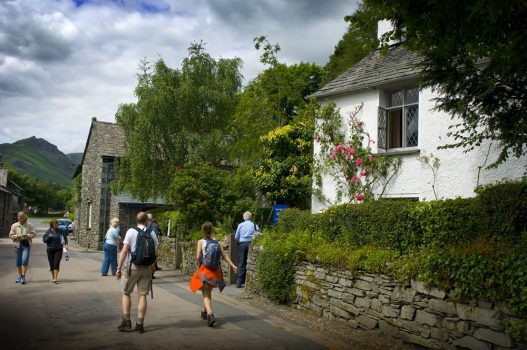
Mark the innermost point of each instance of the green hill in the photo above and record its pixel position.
(76, 158)
(39, 159)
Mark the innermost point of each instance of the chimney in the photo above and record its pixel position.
(3, 176)
(383, 27)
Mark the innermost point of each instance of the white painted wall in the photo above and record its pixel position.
(457, 175)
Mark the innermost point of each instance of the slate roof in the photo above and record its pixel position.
(374, 70)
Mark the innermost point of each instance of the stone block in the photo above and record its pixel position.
(348, 298)
(357, 292)
(362, 302)
(446, 307)
(472, 343)
(454, 324)
(493, 337)
(407, 312)
(344, 282)
(425, 318)
(485, 304)
(339, 312)
(376, 304)
(362, 285)
(388, 329)
(334, 294)
(385, 299)
(421, 288)
(331, 279)
(389, 311)
(481, 316)
(366, 322)
(345, 306)
(365, 278)
(353, 324)
(403, 294)
(410, 326)
(320, 274)
(427, 343)
(439, 334)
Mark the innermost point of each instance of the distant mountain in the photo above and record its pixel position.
(39, 159)
(76, 158)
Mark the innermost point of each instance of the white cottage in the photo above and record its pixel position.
(401, 120)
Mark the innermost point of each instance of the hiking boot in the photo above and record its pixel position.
(210, 320)
(139, 328)
(125, 325)
(203, 315)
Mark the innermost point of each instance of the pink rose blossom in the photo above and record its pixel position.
(358, 162)
(354, 179)
(317, 138)
(364, 173)
(359, 197)
(348, 156)
(371, 158)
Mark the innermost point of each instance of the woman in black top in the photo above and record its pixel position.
(56, 240)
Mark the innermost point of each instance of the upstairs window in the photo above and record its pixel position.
(399, 119)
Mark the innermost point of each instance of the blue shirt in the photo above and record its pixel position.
(246, 230)
(112, 235)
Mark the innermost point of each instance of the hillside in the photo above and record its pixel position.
(76, 158)
(39, 159)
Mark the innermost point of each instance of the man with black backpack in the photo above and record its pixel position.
(137, 259)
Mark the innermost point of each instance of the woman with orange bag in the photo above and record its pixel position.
(209, 274)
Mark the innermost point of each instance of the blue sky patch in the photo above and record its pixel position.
(143, 6)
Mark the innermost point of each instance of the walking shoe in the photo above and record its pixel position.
(139, 328)
(203, 315)
(23, 280)
(18, 279)
(125, 325)
(211, 320)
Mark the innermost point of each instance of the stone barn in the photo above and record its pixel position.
(98, 204)
(11, 202)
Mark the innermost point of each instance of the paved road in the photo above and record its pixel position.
(82, 312)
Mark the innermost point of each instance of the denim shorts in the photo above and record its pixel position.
(22, 255)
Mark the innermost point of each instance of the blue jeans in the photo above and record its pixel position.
(242, 262)
(22, 256)
(110, 258)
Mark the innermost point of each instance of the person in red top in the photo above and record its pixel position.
(205, 278)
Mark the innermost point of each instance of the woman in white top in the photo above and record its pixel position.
(110, 248)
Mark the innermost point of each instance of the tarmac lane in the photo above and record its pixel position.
(83, 311)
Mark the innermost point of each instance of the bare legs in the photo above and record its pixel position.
(206, 291)
(141, 306)
(54, 275)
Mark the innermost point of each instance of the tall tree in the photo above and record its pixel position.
(271, 100)
(475, 55)
(355, 44)
(179, 117)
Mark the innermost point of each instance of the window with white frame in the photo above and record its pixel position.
(89, 214)
(399, 119)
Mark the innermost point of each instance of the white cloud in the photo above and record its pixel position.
(63, 62)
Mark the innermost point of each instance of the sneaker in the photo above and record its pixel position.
(139, 328)
(23, 280)
(125, 325)
(211, 320)
(18, 279)
(203, 315)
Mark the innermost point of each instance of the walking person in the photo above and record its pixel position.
(110, 248)
(22, 233)
(244, 236)
(209, 275)
(154, 227)
(137, 261)
(56, 241)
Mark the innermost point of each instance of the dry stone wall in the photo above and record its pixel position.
(427, 317)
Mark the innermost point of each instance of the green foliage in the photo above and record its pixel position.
(285, 172)
(479, 68)
(185, 111)
(355, 44)
(349, 161)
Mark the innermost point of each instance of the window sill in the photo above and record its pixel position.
(399, 151)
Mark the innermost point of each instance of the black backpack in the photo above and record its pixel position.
(145, 249)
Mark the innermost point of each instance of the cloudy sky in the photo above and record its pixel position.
(63, 62)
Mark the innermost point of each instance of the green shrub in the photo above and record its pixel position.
(275, 269)
(503, 209)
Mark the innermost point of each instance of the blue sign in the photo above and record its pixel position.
(277, 208)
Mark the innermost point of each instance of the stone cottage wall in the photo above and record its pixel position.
(105, 139)
(411, 312)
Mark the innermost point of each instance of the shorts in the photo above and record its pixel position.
(140, 275)
(22, 255)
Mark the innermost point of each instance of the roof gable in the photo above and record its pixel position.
(374, 70)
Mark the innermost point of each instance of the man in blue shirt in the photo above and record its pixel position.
(244, 236)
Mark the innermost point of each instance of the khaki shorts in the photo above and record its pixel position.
(140, 275)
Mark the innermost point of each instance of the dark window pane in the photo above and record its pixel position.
(412, 96)
(395, 128)
(381, 134)
(395, 98)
